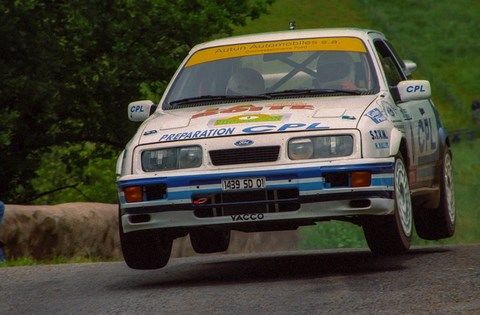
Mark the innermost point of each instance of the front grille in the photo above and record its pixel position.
(244, 155)
(246, 202)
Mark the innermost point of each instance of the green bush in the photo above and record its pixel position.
(76, 172)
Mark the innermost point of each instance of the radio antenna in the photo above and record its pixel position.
(291, 25)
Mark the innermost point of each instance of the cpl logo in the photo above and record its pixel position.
(415, 88)
(243, 143)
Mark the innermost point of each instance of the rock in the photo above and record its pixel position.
(68, 230)
(91, 230)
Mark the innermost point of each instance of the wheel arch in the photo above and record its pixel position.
(398, 144)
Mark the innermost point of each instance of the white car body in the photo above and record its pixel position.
(382, 125)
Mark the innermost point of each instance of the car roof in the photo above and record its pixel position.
(285, 35)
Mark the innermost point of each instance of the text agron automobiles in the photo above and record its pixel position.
(280, 130)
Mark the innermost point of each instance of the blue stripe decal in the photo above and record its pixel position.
(311, 186)
(382, 182)
(187, 194)
(281, 186)
(307, 172)
(302, 187)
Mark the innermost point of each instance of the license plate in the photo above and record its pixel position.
(243, 183)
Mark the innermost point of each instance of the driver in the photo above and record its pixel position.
(245, 81)
(336, 70)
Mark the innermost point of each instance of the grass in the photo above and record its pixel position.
(442, 38)
(28, 261)
(467, 186)
(307, 14)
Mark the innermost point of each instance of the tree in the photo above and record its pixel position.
(68, 69)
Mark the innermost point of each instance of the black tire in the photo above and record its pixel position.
(148, 249)
(435, 224)
(206, 241)
(388, 235)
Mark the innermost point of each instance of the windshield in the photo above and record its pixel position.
(319, 66)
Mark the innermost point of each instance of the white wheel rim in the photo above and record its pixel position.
(402, 197)
(449, 192)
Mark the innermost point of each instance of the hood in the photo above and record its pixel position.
(339, 112)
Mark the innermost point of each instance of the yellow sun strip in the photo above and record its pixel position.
(295, 45)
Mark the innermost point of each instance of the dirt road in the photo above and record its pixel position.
(426, 280)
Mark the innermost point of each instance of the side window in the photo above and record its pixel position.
(390, 66)
(395, 54)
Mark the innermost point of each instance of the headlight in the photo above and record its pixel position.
(300, 149)
(171, 158)
(320, 147)
(189, 157)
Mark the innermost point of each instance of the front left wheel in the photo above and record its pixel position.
(438, 223)
(389, 235)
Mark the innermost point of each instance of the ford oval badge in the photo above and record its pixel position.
(243, 143)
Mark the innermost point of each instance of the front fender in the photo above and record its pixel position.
(119, 165)
(395, 141)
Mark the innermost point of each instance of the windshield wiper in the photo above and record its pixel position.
(315, 92)
(207, 98)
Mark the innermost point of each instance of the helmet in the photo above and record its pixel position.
(333, 68)
(245, 81)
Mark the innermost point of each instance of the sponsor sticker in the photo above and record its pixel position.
(405, 114)
(425, 136)
(378, 134)
(381, 145)
(247, 217)
(150, 132)
(293, 45)
(216, 132)
(376, 115)
(284, 127)
(390, 111)
(415, 88)
(137, 109)
(251, 108)
(219, 132)
(242, 119)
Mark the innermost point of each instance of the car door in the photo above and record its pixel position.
(418, 118)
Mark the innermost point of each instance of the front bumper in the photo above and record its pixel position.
(307, 196)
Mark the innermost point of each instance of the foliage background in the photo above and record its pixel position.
(68, 70)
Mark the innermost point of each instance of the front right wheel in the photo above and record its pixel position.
(148, 249)
(207, 241)
(389, 235)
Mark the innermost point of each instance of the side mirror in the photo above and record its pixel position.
(412, 90)
(140, 110)
(410, 67)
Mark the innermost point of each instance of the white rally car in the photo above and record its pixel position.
(275, 131)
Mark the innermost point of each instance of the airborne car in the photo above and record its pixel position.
(275, 131)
